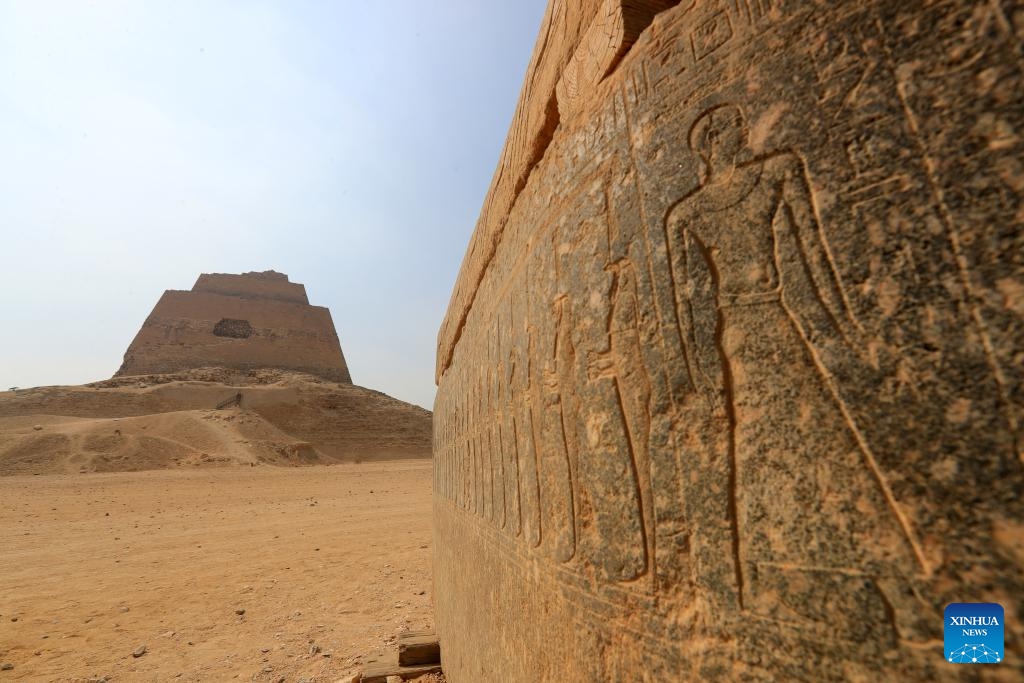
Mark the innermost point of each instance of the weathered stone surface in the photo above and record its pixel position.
(382, 668)
(253, 320)
(266, 285)
(418, 647)
(730, 386)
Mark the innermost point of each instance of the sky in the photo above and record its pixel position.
(347, 144)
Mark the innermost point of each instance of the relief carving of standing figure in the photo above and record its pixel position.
(758, 299)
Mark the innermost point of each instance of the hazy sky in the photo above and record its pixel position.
(348, 144)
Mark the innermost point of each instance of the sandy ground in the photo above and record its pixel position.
(173, 421)
(328, 563)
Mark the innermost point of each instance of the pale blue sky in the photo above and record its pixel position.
(348, 144)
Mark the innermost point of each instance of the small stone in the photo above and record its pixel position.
(239, 612)
(393, 679)
(37, 428)
(37, 653)
(125, 608)
(169, 634)
(314, 649)
(14, 618)
(264, 650)
(6, 666)
(139, 651)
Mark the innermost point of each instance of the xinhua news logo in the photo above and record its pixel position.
(974, 633)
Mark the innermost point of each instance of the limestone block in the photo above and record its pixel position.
(730, 384)
(418, 647)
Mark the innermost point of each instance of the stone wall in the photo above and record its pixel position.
(238, 321)
(730, 385)
(265, 285)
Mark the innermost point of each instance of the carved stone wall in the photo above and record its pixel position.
(255, 320)
(730, 386)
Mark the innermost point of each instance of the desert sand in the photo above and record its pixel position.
(328, 563)
(173, 421)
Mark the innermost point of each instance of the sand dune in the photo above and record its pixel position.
(168, 421)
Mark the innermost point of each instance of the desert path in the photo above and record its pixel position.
(328, 563)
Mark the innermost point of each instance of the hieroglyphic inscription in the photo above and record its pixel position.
(614, 29)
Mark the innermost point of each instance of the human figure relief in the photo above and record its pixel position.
(523, 434)
(757, 285)
(617, 469)
(509, 449)
(557, 471)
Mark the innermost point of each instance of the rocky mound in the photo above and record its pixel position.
(204, 417)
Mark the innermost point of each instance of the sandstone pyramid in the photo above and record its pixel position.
(242, 322)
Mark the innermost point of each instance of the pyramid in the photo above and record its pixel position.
(242, 322)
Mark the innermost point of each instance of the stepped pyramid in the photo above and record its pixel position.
(242, 322)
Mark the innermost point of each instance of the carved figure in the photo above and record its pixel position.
(764, 294)
(616, 467)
